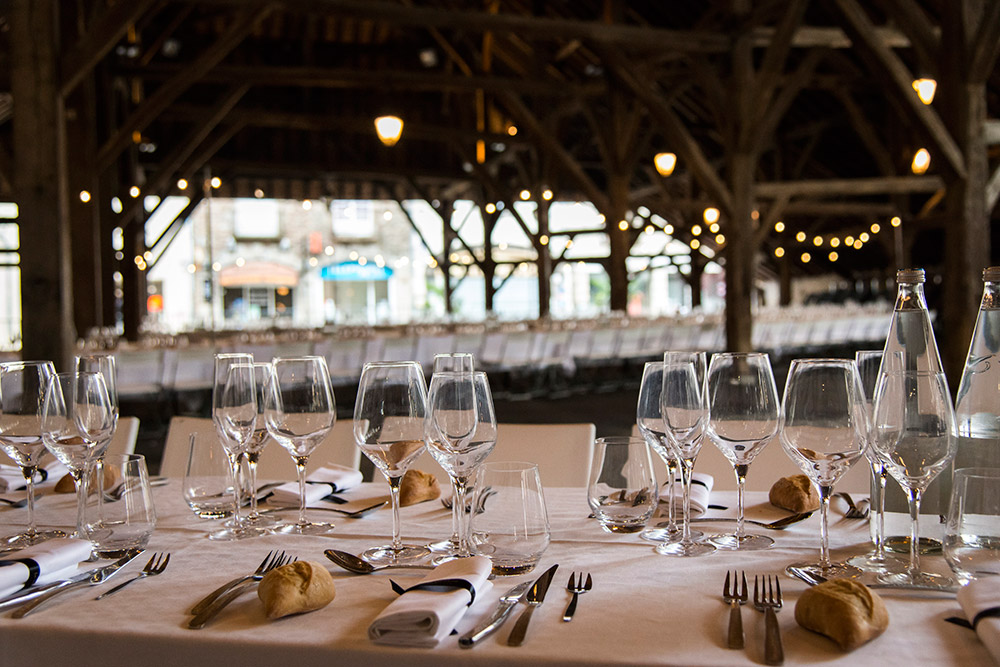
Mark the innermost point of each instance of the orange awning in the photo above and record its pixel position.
(268, 274)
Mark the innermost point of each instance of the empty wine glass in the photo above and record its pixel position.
(649, 420)
(824, 430)
(742, 419)
(22, 390)
(76, 426)
(460, 431)
(106, 366)
(300, 412)
(684, 416)
(234, 411)
(389, 428)
(914, 429)
(258, 440)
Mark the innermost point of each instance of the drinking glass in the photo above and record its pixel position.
(234, 411)
(460, 431)
(389, 419)
(106, 366)
(742, 419)
(76, 424)
(452, 362)
(258, 440)
(649, 420)
(208, 479)
(876, 561)
(972, 534)
(300, 412)
(128, 522)
(622, 492)
(512, 528)
(684, 416)
(22, 388)
(914, 427)
(824, 430)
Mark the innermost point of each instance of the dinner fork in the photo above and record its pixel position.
(768, 601)
(156, 564)
(735, 596)
(859, 511)
(271, 561)
(576, 588)
(221, 602)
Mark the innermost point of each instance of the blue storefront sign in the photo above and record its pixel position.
(355, 272)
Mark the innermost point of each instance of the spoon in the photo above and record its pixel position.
(780, 524)
(15, 503)
(352, 563)
(356, 514)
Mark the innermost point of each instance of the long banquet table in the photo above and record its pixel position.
(644, 609)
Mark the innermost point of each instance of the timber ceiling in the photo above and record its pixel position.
(280, 96)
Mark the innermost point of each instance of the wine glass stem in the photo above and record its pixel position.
(252, 465)
(300, 468)
(883, 477)
(687, 470)
(456, 534)
(741, 482)
(80, 479)
(824, 534)
(234, 463)
(99, 480)
(913, 496)
(671, 477)
(464, 518)
(394, 483)
(29, 485)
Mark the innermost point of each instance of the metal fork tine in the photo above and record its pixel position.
(725, 585)
(590, 582)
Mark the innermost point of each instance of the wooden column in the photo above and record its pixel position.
(40, 182)
(740, 255)
(618, 191)
(489, 264)
(544, 261)
(85, 224)
(448, 232)
(133, 280)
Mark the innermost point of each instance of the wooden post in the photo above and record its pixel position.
(489, 264)
(740, 255)
(445, 210)
(618, 190)
(544, 261)
(40, 183)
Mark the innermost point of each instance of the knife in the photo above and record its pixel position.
(487, 627)
(91, 578)
(534, 598)
(20, 597)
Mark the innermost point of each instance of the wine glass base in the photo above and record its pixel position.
(821, 571)
(406, 554)
(234, 533)
(260, 521)
(444, 558)
(307, 528)
(900, 544)
(745, 543)
(27, 539)
(916, 579)
(870, 562)
(667, 536)
(449, 546)
(685, 549)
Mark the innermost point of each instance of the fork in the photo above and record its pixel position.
(768, 601)
(735, 598)
(221, 602)
(156, 564)
(271, 561)
(576, 588)
(859, 511)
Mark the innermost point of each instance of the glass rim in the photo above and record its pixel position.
(389, 364)
(739, 354)
(619, 439)
(978, 472)
(509, 466)
(297, 357)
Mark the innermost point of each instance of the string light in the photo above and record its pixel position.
(779, 252)
(896, 221)
(547, 195)
(779, 226)
(921, 161)
(695, 244)
(216, 182)
(806, 258)
(623, 225)
(849, 240)
(876, 228)
(833, 255)
(696, 230)
(834, 242)
(665, 163)
(714, 228)
(800, 237)
(490, 208)
(864, 237)
(711, 215)
(925, 89)
(720, 239)
(134, 191)
(543, 239)
(182, 184)
(525, 195)
(817, 241)
(84, 196)
(389, 129)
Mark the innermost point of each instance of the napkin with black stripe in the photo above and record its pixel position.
(41, 563)
(701, 489)
(331, 478)
(980, 601)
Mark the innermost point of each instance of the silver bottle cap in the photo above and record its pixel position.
(910, 276)
(991, 274)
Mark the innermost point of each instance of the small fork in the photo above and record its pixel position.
(221, 602)
(272, 560)
(859, 511)
(156, 564)
(735, 597)
(576, 588)
(768, 601)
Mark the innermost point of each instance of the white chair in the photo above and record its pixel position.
(126, 433)
(275, 462)
(563, 452)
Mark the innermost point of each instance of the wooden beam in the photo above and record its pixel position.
(924, 37)
(849, 186)
(986, 45)
(770, 116)
(866, 132)
(172, 89)
(860, 28)
(776, 55)
(992, 190)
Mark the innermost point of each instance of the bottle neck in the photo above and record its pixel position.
(910, 296)
(991, 295)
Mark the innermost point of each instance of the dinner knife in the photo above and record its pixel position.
(91, 578)
(534, 598)
(490, 625)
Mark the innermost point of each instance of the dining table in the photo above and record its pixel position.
(643, 609)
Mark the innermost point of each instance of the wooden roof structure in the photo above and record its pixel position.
(800, 111)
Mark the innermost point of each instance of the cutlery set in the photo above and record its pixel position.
(766, 599)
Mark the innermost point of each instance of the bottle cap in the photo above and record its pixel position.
(910, 276)
(991, 274)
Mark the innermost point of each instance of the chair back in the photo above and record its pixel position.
(126, 433)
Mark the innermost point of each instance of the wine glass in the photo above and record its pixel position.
(22, 389)
(649, 420)
(389, 428)
(300, 412)
(877, 561)
(234, 411)
(742, 419)
(914, 437)
(254, 520)
(105, 365)
(460, 432)
(684, 416)
(824, 430)
(76, 424)
(453, 362)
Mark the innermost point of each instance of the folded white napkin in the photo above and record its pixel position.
(42, 563)
(329, 479)
(701, 489)
(11, 478)
(981, 596)
(425, 614)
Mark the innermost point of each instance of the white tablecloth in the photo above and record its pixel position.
(645, 609)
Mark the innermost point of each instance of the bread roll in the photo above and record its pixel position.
(844, 610)
(111, 478)
(795, 494)
(296, 588)
(417, 487)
